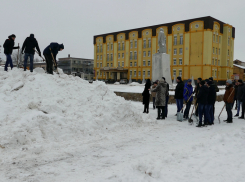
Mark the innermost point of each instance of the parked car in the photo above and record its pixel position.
(90, 81)
(123, 81)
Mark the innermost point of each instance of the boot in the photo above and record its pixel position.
(199, 125)
(158, 113)
(236, 115)
(242, 117)
(230, 121)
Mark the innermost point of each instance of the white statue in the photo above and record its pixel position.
(161, 41)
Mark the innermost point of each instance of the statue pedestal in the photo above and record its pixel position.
(161, 67)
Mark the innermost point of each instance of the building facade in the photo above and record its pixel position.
(77, 66)
(201, 47)
(238, 70)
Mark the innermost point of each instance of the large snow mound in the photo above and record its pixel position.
(38, 108)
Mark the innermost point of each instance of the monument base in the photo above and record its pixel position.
(161, 67)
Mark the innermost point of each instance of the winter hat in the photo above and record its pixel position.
(179, 78)
(61, 46)
(200, 79)
(207, 80)
(202, 82)
(163, 78)
(189, 80)
(13, 35)
(211, 78)
(229, 81)
(209, 83)
(240, 81)
(32, 35)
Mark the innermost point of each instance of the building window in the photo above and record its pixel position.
(149, 63)
(175, 40)
(217, 38)
(180, 51)
(139, 73)
(213, 37)
(100, 73)
(228, 41)
(97, 73)
(135, 63)
(197, 26)
(111, 57)
(143, 62)
(131, 55)
(180, 61)
(215, 74)
(149, 53)
(181, 40)
(149, 43)
(119, 55)
(228, 52)
(130, 73)
(216, 50)
(215, 62)
(98, 49)
(175, 51)
(227, 63)
(144, 44)
(131, 64)
(101, 50)
(118, 64)
(100, 64)
(149, 73)
(218, 62)
(144, 53)
(143, 73)
(107, 64)
(134, 73)
(180, 73)
(107, 57)
(174, 73)
(174, 62)
(123, 46)
(131, 44)
(122, 55)
(135, 43)
(122, 64)
(97, 57)
(108, 47)
(111, 65)
(119, 46)
(97, 65)
(111, 46)
(101, 57)
(135, 55)
(213, 50)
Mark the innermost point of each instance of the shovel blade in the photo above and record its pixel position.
(180, 116)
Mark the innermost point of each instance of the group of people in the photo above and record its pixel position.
(28, 48)
(203, 96)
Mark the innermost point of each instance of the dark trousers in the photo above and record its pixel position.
(179, 103)
(201, 112)
(209, 113)
(213, 109)
(146, 108)
(229, 112)
(31, 61)
(187, 109)
(154, 100)
(166, 107)
(243, 109)
(49, 63)
(8, 61)
(160, 109)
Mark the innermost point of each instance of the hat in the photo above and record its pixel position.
(189, 80)
(202, 82)
(61, 46)
(229, 81)
(179, 78)
(13, 35)
(211, 78)
(240, 80)
(32, 35)
(200, 79)
(209, 83)
(163, 78)
(206, 80)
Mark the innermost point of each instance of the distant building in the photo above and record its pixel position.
(200, 47)
(81, 67)
(238, 70)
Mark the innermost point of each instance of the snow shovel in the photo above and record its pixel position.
(224, 106)
(180, 114)
(40, 56)
(191, 120)
(54, 61)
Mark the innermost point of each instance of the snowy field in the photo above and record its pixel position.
(60, 128)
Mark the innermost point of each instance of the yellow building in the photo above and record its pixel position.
(201, 47)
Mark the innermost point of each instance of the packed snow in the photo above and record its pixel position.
(61, 128)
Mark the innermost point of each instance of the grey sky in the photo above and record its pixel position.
(75, 22)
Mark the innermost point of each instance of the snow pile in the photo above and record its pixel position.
(134, 84)
(116, 83)
(38, 108)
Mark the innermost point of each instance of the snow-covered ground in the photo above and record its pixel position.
(60, 128)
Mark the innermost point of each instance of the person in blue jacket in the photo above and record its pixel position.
(187, 94)
(55, 48)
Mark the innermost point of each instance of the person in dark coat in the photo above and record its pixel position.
(187, 94)
(235, 97)
(216, 90)
(167, 98)
(202, 101)
(8, 49)
(229, 99)
(196, 92)
(28, 47)
(153, 94)
(239, 95)
(55, 48)
(210, 102)
(160, 97)
(146, 96)
(179, 93)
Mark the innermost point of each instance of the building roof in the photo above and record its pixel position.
(239, 66)
(61, 59)
(208, 24)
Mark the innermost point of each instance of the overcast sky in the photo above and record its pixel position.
(75, 22)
